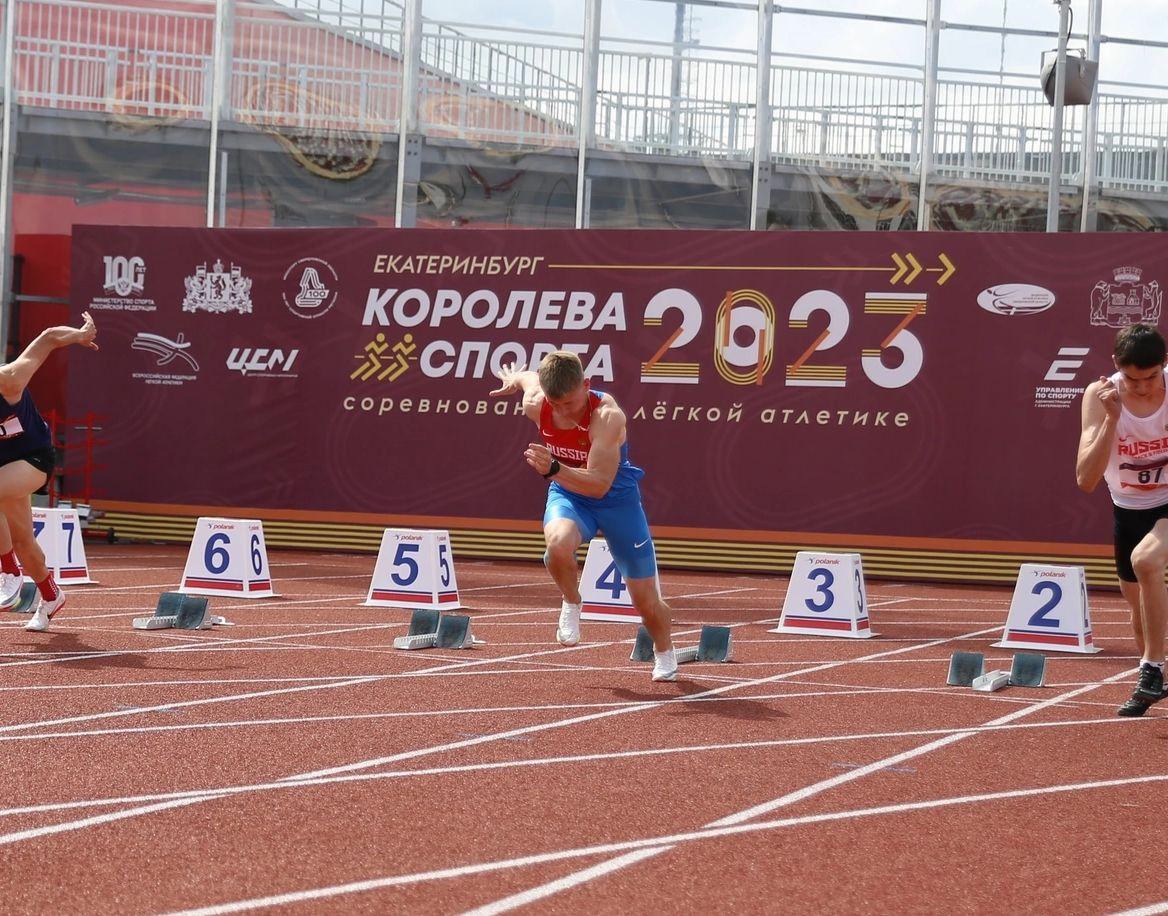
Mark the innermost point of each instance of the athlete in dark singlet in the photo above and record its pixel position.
(26, 461)
(594, 487)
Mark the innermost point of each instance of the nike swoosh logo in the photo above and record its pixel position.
(642, 544)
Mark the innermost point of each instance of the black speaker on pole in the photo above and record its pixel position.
(1080, 79)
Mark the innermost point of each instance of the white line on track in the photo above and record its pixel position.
(651, 844)
(523, 763)
(1152, 909)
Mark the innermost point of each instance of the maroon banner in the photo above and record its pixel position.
(900, 385)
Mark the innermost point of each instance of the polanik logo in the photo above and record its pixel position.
(1015, 299)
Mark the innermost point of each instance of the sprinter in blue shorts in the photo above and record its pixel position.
(585, 454)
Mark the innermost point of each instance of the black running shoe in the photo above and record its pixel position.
(1149, 690)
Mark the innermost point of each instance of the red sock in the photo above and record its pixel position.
(48, 588)
(8, 563)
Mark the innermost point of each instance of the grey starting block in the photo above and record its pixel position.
(1028, 670)
(965, 668)
(182, 612)
(433, 630)
(714, 645)
(27, 601)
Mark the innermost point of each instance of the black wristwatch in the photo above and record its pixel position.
(553, 468)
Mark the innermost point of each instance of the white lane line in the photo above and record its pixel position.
(1152, 909)
(562, 884)
(526, 762)
(650, 844)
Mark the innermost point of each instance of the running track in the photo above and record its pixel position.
(296, 763)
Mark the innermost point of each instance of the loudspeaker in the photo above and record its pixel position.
(1080, 81)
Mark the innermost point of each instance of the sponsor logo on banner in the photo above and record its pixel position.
(218, 290)
(263, 362)
(167, 352)
(382, 362)
(310, 288)
(1064, 368)
(125, 279)
(1015, 299)
(1125, 300)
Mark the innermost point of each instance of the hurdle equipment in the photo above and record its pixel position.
(965, 668)
(826, 597)
(228, 556)
(1049, 611)
(440, 631)
(58, 532)
(603, 591)
(181, 612)
(714, 645)
(414, 569)
(26, 603)
(1028, 669)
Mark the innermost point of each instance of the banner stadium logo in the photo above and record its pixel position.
(334, 149)
(310, 288)
(1126, 301)
(218, 290)
(1015, 299)
(124, 275)
(383, 363)
(263, 362)
(165, 349)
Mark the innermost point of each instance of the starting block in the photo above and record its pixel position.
(967, 669)
(181, 612)
(431, 630)
(714, 645)
(27, 601)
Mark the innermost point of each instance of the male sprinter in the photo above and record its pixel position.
(586, 456)
(1125, 442)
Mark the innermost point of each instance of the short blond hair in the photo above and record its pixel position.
(560, 373)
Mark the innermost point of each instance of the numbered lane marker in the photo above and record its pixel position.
(415, 569)
(826, 597)
(1049, 611)
(58, 532)
(228, 556)
(603, 588)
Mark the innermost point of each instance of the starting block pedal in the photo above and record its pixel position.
(714, 645)
(27, 601)
(965, 668)
(991, 681)
(182, 612)
(1028, 670)
(430, 629)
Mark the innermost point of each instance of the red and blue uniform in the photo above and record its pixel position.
(618, 514)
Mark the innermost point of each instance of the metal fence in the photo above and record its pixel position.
(305, 65)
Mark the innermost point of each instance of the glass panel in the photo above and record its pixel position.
(846, 131)
(310, 115)
(499, 107)
(675, 116)
(114, 130)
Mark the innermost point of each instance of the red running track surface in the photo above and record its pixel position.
(296, 762)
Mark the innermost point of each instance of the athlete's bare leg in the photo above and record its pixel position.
(18, 481)
(655, 613)
(1149, 560)
(1131, 593)
(563, 538)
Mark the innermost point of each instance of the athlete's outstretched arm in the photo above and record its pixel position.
(513, 379)
(1101, 407)
(14, 377)
(595, 478)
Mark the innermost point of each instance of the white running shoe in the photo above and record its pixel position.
(664, 665)
(10, 590)
(44, 613)
(568, 632)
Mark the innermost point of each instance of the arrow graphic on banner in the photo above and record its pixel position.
(912, 267)
(907, 268)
